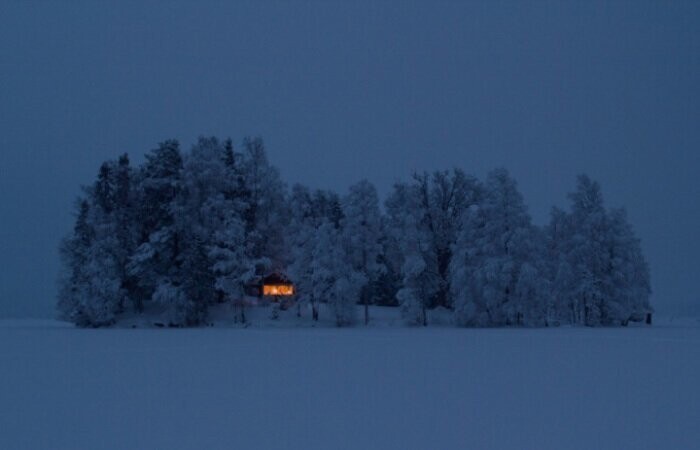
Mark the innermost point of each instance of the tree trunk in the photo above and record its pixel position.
(366, 311)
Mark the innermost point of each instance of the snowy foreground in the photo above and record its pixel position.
(324, 388)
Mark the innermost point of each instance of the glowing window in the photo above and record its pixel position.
(278, 289)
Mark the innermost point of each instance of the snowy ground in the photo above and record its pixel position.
(377, 388)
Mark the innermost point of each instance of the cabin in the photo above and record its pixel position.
(273, 287)
(277, 288)
(277, 285)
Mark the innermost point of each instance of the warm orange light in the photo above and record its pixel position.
(278, 289)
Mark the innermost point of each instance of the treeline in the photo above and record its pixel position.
(187, 230)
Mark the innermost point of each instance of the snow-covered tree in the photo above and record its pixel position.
(99, 295)
(320, 270)
(300, 232)
(300, 268)
(417, 288)
(209, 215)
(584, 249)
(333, 279)
(601, 277)
(105, 294)
(308, 211)
(497, 267)
(126, 227)
(442, 199)
(91, 292)
(533, 288)
(159, 184)
(327, 206)
(231, 265)
(558, 269)
(435, 203)
(320, 265)
(74, 251)
(393, 223)
(266, 212)
(157, 260)
(412, 244)
(344, 295)
(362, 235)
(630, 283)
(587, 250)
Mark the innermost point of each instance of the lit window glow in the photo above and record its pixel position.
(278, 289)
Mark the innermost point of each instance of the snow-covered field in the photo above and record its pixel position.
(324, 388)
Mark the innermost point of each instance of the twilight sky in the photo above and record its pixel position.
(342, 91)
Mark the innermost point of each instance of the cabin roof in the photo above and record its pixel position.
(276, 278)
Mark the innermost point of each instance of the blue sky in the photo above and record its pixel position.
(343, 91)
